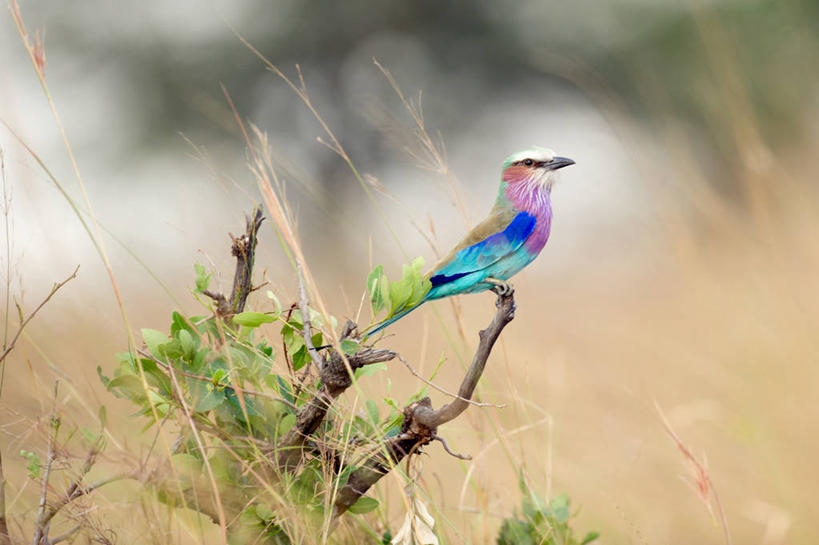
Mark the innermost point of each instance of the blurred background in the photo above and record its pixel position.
(681, 268)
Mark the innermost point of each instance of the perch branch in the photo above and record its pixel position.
(421, 421)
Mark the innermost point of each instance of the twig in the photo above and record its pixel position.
(43, 512)
(244, 250)
(65, 536)
(305, 320)
(54, 289)
(444, 391)
(449, 451)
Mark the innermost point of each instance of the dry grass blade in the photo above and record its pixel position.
(702, 479)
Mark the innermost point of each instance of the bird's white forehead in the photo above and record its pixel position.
(535, 152)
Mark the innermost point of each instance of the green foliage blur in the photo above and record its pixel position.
(540, 522)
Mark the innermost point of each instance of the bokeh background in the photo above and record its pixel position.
(682, 267)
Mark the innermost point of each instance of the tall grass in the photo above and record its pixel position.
(715, 318)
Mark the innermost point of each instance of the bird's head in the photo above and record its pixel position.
(533, 166)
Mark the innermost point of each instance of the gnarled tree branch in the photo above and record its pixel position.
(421, 421)
(335, 378)
(243, 248)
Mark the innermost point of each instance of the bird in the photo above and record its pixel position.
(509, 239)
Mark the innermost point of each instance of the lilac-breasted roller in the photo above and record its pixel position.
(510, 238)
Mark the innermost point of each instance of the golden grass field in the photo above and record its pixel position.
(696, 301)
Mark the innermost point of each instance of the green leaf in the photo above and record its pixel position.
(218, 377)
(560, 508)
(33, 466)
(102, 413)
(350, 347)
(209, 401)
(187, 343)
(400, 292)
(376, 284)
(105, 380)
(591, 536)
(264, 513)
(300, 358)
(364, 504)
(129, 386)
(202, 278)
(154, 340)
(284, 389)
(286, 423)
(370, 369)
(253, 319)
(372, 410)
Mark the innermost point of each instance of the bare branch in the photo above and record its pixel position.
(54, 289)
(505, 314)
(421, 421)
(448, 450)
(243, 248)
(64, 536)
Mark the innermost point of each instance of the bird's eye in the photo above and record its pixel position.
(528, 162)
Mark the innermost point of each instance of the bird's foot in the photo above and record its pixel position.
(501, 287)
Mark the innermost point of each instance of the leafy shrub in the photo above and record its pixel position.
(541, 523)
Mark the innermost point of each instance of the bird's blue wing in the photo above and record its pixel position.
(486, 252)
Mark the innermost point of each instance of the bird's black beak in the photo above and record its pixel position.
(558, 162)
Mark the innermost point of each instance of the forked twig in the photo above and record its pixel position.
(54, 289)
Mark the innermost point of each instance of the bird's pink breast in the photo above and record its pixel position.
(527, 195)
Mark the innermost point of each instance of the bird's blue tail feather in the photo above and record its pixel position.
(385, 323)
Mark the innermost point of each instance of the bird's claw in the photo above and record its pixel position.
(502, 288)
